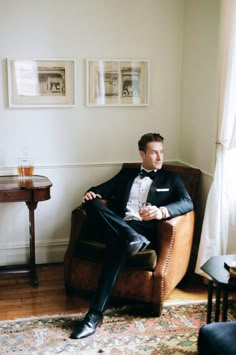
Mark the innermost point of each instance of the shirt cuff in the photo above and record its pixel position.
(165, 212)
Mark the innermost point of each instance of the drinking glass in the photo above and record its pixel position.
(143, 207)
(25, 168)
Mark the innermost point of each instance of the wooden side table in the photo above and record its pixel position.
(31, 191)
(214, 267)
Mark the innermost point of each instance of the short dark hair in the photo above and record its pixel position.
(149, 137)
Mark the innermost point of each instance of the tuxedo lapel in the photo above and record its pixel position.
(161, 180)
(151, 194)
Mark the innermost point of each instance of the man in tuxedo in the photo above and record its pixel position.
(139, 199)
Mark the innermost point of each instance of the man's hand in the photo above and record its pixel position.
(90, 195)
(151, 212)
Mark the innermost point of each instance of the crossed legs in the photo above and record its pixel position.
(121, 240)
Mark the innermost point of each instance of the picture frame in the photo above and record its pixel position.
(117, 82)
(41, 82)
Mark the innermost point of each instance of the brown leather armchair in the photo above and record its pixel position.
(149, 276)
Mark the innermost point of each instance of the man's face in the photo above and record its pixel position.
(154, 155)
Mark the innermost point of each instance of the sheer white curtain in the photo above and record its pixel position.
(219, 226)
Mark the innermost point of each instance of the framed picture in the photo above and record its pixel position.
(117, 82)
(41, 82)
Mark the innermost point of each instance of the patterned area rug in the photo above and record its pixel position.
(124, 331)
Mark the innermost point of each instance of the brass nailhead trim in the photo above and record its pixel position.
(167, 263)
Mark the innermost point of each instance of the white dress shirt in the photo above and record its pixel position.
(138, 195)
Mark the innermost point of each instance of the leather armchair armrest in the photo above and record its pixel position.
(173, 246)
(78, 219)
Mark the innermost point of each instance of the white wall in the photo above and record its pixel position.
(200, 79)
(200, 84)
(81, 146)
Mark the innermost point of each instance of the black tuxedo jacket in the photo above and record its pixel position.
(167, 190)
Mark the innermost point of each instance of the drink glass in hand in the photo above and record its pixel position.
(143, 208)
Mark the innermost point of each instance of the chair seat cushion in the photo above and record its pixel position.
(92, 250)
(217, 338)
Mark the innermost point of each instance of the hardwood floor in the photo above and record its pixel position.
(19, 299)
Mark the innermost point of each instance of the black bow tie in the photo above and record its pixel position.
(151, 174)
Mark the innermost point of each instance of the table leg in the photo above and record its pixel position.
(209, 301)
(225, 304)
(217, 311)
(32, 206)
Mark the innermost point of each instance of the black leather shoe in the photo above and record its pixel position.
(139, 243)
(88, 326)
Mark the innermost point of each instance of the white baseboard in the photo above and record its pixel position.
(45, 253)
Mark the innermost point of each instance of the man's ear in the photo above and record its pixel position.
(142, 154)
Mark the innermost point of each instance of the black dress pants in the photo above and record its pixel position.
(116, 233)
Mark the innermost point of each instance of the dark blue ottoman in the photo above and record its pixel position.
(217, 338)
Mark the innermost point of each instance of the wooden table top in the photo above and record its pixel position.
(14, 182)
(215, 268)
